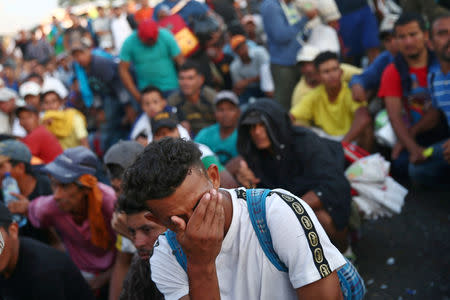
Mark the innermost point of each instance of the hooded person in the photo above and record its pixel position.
(278, 154)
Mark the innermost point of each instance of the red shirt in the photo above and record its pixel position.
(391, 85)
(43, 144)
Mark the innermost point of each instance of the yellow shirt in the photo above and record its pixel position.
(78, 133)
(301, 89)
(335, 118)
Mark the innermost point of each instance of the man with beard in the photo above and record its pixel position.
(406, 95)
(435, 170)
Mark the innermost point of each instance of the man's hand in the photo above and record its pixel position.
(245, 175)
(396, 150)
(240, 86)
(446, 147)
(416, 155)
(358, 93)
(20, 206)
(119, 224)
(201, 238)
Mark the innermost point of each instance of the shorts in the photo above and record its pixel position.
(359, 32)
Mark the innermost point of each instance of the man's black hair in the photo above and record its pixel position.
(34, 75)
(324, 57)
(115, 171)
(409, 17)
(151, 89)
(437, 18)
(28, 169)
(160, 169)
(189, 65)
(130, 206)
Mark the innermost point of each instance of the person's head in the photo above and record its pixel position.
(256, 123)
(75, 20)
(82, 54)
(170, 179)
(248, 21)
(15, 158)
(387, 36)
(9, 69)
(411, 34)
(144, 232)
(117, 11)
(39, 68)
(101, 11)
(227, 109)
(164, 125)
(8, 99)
(238, 44)
(305, 59)
(9, 242)
(28, 117)
(152, 101)
(148, 32)
(35, 77)
(330, 72)
(162, 11)
(51, 100)
(65, 171)
(190, 78)
(119, 157)
(440, 37)
(30, 92)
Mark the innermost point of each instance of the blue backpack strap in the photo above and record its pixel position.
(256, 202)
(176, 248)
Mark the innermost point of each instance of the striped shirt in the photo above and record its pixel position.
(439, 84)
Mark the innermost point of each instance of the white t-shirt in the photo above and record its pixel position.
(243, 269)
(120, 29)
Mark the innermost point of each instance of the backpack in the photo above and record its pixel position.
(352, 285)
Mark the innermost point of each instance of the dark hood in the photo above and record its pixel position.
(277, 122)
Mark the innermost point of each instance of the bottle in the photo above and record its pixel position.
(9, 185)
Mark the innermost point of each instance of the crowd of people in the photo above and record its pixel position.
(146, 142)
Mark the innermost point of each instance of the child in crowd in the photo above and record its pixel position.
(152, 103)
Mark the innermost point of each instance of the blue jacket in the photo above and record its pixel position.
(281, 37)
(371, 77)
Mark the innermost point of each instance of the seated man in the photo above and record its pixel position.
(166, 125)
(310, 76)
(278, 154)
(144, 233)
(331, 108)
(224, 259)
(247, 68)
(32, 270)
(80, 209)
(194, 101)
(222, 136)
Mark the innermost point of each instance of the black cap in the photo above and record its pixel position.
(164, 119)
(252, 118)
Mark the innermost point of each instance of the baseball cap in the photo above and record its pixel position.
(164, 119)
(226, 96)
(236, 41)
(54, 85)
(26, 108)
(148, 30)
(123, 153)
(5, 215)
(29, 88)
(252, 118)
(307, 53)
(7, 94)
(15, 150)
(71, 164)
(248, 19)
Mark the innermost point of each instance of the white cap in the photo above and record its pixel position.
(7, 94)
(29, 88)
(54, 85)
(118, 3)
(307, 53)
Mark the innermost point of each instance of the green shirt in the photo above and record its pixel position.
(154, 65)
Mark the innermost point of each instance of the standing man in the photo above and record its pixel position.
(153, 52)
(102, 29)
(120, 27)
(32, 270)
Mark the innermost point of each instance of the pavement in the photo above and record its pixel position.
(408, 256)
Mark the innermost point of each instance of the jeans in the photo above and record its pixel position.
(435, 171)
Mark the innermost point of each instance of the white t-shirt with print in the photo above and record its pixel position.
(243, 269)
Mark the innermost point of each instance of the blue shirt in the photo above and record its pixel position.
(439, 87)
(281, 36)
(225, 149)
(192, 8)
(371, 77)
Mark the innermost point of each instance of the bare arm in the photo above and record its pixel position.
(360, 122)
(327, 288)
(127, 79)
(120, 270)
